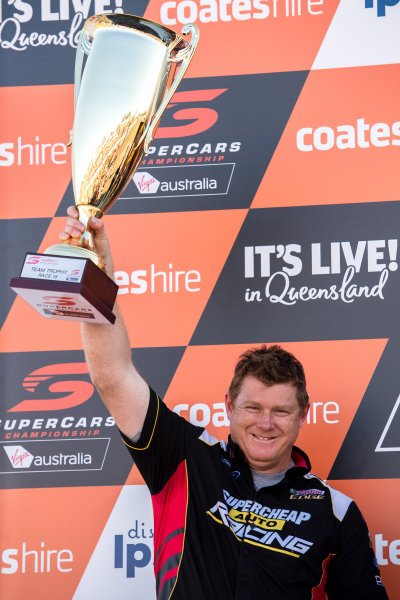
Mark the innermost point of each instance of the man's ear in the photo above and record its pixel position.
(228, 405)
(304, 415)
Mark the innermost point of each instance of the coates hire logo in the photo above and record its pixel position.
(173, 12)
(381, 6)
(346, 136)
(58, 21)
(33, 152)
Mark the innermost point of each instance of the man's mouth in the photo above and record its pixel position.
(263, 438)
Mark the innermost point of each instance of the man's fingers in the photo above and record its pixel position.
(95, 223)
(73, 228)
(72, 211)
(70, 231)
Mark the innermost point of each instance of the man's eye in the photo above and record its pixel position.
(253, 408)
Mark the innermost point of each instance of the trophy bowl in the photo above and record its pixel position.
(133, 68)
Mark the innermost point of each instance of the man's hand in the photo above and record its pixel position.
(74, 228)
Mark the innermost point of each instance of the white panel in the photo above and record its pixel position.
(131, 518)
(358, 37)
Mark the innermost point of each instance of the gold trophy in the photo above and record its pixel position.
(132, 70)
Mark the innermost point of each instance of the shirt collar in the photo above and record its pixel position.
(300, 459)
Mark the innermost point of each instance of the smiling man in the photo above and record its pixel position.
(267, 404)
(242, 520)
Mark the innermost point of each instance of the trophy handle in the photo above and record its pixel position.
(82, 48)
(84, 45)
(183, 56)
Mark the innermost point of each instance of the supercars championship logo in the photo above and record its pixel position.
(183, 168)
(62, 429)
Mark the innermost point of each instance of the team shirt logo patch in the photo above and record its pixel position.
(312, 494)
(259, 525)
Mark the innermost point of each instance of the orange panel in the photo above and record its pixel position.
(171, 260)
(341, 143)
(249, 36)
(48, 538)
(36, 165)
(134, 477)
(329, 366)
(378, 500)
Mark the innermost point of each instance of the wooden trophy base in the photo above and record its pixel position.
(66, 288)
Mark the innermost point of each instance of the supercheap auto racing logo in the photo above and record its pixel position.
(260, 525)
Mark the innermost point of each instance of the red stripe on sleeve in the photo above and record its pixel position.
(318, 592)
(169, 510)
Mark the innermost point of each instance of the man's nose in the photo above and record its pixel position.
(266, 420)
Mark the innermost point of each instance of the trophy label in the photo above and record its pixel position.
(89, 299)
(53, 268)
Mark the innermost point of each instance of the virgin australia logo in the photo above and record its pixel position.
(176, 181)
(188, 186)
(146, 183)
(19, 457)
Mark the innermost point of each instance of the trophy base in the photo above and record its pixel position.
(66, 288)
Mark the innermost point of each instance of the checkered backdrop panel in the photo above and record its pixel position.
(267, 210)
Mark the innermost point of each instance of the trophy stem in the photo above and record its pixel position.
(85, 211)
(66, 249)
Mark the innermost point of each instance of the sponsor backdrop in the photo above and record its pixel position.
(267, 210)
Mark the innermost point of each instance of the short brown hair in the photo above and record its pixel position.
(270, 365)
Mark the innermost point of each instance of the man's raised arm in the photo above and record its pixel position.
(107, 348)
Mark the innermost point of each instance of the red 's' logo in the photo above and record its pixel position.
(32, 260)
(59, 300)
(79, 391)
(201, 118)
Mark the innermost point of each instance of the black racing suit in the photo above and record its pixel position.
(217, 538)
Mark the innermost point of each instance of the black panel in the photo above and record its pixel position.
(57, 418)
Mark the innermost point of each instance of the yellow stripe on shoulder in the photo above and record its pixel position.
(208, 439)
(152, 433)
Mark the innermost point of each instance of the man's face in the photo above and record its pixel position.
(265, 423)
